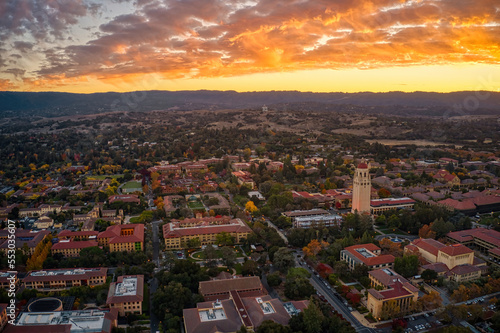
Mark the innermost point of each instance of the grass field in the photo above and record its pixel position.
(102, 177)
(390, 231)
(196, 205)
(130, 185)
(201, 255)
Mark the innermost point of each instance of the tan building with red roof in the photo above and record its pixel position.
(126, 294)
(177, 233)
(384, 278)
(447, 178)
(65, 278)
(124, 198)
(70, 248)
(77, 235)
(457, 262)
(366, 254)
(126, 237)
(484, 240)
(28, 237)
(401, 294)
(219, 289)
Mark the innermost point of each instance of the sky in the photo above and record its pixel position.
(86, 46)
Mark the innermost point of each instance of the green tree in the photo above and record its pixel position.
(283, 259)
(269, 326)
(429, 275)
(194, 243)
(441, 228)
(274, 279)
(224, 238)
(298, 288)
(228, 256)
(312, 318)
(407, 266)
(250, 267)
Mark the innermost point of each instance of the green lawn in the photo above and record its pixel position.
(391, 231)
(358, 286)
(131, 185)
(196, 205)
(201, 255)
(237, 267)
(135, 219)
(102, 177)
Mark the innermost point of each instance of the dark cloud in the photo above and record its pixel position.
(17, 72)
(41, 17)
(23, 46)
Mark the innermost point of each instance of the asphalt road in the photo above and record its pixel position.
(153, 283)
(334, 301)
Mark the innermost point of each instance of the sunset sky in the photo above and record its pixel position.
(320, 45)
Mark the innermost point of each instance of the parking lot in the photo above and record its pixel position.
(422, 322)
(418, 323)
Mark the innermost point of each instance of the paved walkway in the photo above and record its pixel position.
(408, 237)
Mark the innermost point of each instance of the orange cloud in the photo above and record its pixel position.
(216, 38)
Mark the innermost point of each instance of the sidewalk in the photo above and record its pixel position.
(361, 318)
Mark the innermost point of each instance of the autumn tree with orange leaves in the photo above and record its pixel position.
(426, 232)
(314, 247)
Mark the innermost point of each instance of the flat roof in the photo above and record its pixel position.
(126, 289)
(81, 321)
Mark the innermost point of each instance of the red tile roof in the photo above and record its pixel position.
(456, 249)
(114, 233)
(464, 269)
(204, 226)
(62, 328)
(391, 202)
(362, 165)
(224, 286)
(74, 245)
(372, 261)
(427, 244)
(438, 267)
(487, 235)
(69, 233)
(466, 204)
(386, 276)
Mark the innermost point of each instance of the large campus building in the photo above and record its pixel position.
(60, 279)
(402, 294)
(368, 255)
(70, 248)
(126, 294)
(125, 237)
(456, 262)
(378, 206)
(77, 321)
(314, 218)
(178, 232)
(234, 302)
(24, 238)
(486, 241)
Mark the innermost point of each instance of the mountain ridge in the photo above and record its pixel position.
(49, 104)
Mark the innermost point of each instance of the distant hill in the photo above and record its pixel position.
(52, 104)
